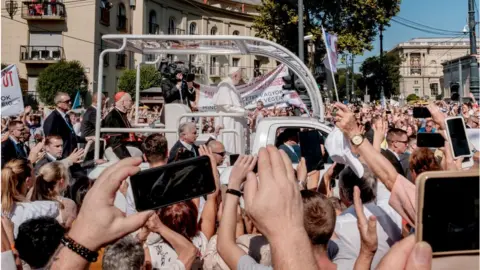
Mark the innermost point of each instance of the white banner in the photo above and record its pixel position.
(12, 101)
(267, 88)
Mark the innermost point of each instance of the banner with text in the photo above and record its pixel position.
(12, 100)
(267, 88)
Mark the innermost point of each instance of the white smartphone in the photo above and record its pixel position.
(458, 139)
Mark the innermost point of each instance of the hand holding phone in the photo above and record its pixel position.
(430, 140)
(458, 139)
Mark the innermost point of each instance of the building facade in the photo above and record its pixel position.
(456, 76)
(42, 33)
(421, 69)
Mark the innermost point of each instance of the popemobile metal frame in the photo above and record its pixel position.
(199, 44)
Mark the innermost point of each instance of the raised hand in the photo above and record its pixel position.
(242, 167)
(367, 228)
(77, 155)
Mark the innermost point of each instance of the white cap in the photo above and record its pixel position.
(338, 148)
(233, 70)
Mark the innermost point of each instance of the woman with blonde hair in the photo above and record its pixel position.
(17, 178)
(52, 181)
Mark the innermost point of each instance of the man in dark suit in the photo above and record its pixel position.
(290, 146)
(397, 141)
(185, 147)
(87, 128)
(59, 123)
(13, 148)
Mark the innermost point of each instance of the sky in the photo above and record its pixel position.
(443, 14)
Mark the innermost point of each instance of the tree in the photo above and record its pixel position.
(64, 76)
(412, 97)
(149, 77)
(356, 22)
(373, 74)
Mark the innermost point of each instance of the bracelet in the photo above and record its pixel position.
(234, 192)
(87, 254)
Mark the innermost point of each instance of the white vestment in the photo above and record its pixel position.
(228, 100)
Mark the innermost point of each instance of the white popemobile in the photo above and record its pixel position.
(175, 114)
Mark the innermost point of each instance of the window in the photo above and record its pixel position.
(106, 57)
(416, 91)
(121, 18)
(434, 89)
(235, 62)
(415, 82)
(192, 29)
(152, 23)
(121, 60)
(213, 66)
(236, 33)
(256, 68)
(172, 25)
(105, 15)
(213, 31)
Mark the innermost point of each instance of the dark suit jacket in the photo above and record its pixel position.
(184, 152)
(46, 159)
(115, 119)
(405, 161)
(9, 152)
(395, 162)
(294, 157)
(88, 123)
(55, 124)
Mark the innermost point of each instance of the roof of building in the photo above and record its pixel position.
(438, 39)
(250, 2)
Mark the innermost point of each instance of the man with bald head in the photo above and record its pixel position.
(117, 118)
(218, 151)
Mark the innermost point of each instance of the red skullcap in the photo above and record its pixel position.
(119, 95)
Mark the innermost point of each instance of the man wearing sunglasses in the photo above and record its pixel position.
(218, 151)
(397, 141)
(59, 123)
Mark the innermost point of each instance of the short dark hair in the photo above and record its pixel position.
(318, 217)
(155, 148)
(14, 123)
(393, 132)
(38, 239)
(49, 139)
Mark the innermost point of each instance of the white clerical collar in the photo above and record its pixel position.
(51, 157)
(61, 113)
(187, 145)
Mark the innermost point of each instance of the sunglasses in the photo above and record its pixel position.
(66, 101)
(222, 154)
(405, 142)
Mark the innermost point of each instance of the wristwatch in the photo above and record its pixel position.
(357, 139)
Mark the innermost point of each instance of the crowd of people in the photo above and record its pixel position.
(55, 217)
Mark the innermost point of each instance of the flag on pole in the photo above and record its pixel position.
(76, 102)
(330, 61)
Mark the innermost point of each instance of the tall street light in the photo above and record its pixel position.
(300, 30)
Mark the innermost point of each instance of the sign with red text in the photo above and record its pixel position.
(12, 100)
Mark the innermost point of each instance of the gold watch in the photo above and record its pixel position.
(357, 139)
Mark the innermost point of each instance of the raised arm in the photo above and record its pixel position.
(226, 245)
(209, 214)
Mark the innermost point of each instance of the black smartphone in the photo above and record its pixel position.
(310, 149)
(175, 182)
(431, 140)
(459, 143)
(448, 211)
(421, 112)
(233, 159)
(336, 171)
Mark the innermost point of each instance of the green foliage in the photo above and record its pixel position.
(149, 77)
(341, 80)
(64, 76)
(374, 74)
(412, 97)
(356, 22)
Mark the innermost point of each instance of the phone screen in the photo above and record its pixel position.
(310, 148)
(458, 137)
(233, 159)
(432, 140)
(172, 183)
(451, 213)
(421, 112)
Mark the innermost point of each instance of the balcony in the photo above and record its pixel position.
(105, 16)
(43, 10)
(153, 28)
(122, 23)
(176, 31)
(41, 54)
(121, 60)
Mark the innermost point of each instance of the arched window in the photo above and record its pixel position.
(192, 29)
(213, 31)
(172, 25)
(152, 23)
(122, 18)
(236, 33)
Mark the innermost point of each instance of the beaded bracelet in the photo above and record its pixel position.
(87, 254)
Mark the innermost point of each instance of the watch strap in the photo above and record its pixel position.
(234, 192)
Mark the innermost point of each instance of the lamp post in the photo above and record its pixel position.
(300, 30)
(11, 6)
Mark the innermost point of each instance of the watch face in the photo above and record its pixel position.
(356, 140)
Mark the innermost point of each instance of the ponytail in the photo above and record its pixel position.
(14, 176)
(46, 183)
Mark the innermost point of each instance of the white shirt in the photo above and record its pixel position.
(188, 146)
(348, 235)
(23, 211)
(51, 157)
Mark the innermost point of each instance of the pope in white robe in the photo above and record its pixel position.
(228, 100)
